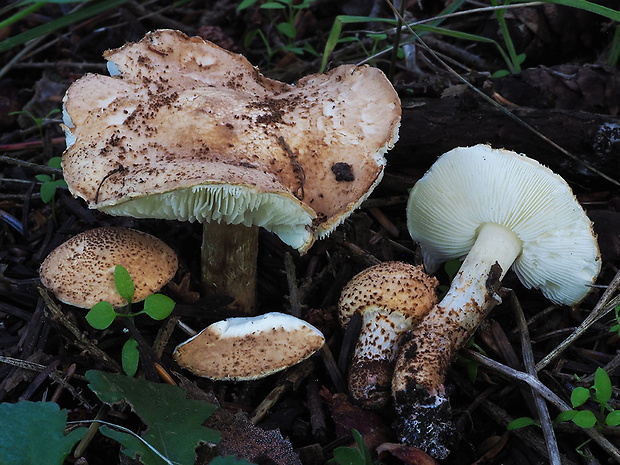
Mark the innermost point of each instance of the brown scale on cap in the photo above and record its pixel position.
(80, 271)
(392, 297)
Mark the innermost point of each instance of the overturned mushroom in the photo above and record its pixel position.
(500, 210)
(80, 271)
(247, 348)
(392, 297)
(186, 130)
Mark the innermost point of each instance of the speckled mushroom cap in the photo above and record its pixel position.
(80, 271)
(186, 130)
(247, 348)
(391, 287)
(469, 186)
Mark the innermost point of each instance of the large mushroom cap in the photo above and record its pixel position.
(247, 348)
(469, 186)
(186, 130)
(389, 287)
(80, 271)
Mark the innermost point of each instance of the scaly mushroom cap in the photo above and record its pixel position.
(247, 348)
(469, 186)
(80, 271)
(186, 130)
(389, 287)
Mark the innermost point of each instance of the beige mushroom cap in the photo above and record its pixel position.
(247, 348)
(186, 130)
(390, 287)
(80, 271)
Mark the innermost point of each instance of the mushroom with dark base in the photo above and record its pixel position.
(499, 210)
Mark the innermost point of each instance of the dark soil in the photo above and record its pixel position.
(567, 92)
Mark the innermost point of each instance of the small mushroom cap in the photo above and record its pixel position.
(389, 287)
(248, 348)
(80, 271)
(469, 186)
(186, 130)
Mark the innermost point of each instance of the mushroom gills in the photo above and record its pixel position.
(224, 203)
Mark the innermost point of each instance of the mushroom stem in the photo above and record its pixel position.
(370, 375)
(417, 384)
(228, 262)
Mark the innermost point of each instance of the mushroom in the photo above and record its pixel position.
(499, 209)
(186, 130)
(249, 348)
(391, 297)
(80, 271)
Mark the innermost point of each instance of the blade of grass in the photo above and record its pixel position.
(585, 5)
(59, 23)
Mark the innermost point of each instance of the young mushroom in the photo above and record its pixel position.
(80, 271)
(249, 348)
(391, 297)
(499, 210)
(186, 130)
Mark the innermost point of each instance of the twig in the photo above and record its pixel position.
(34, 166)
(528, 360)
(291, 381)
(79, 339)
(602, 308)
(544, 391)
(54, 375)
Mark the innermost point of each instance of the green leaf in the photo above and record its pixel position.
(452, 267)
(287, 30)
(347, 456)
(43, 177)
(353, 455)
(273, 6)
(61, 183)
(130, 356)
(522, 422)
(33, 433)
(101, 315)
(500, 73)
(566, 415)
(48, 191)
(58, 23)
(613, 419)
(158, 306)
(584, 419)
(174, 422)
(602, 386)
(579, 396)
(124, 283)
(55, 162)
(246, 4)
(361, 445)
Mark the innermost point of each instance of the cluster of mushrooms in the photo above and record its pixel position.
(182, 129)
